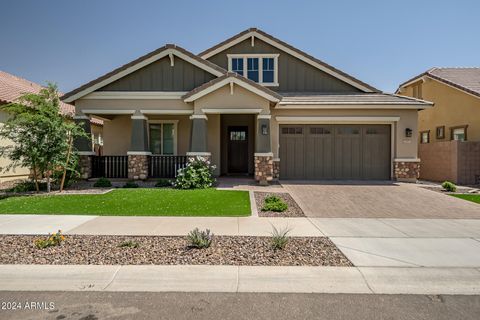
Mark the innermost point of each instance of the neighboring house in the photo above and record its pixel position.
(11, 88)
(255, 106)
(449, 133)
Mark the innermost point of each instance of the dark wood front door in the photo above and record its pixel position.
(238, 149)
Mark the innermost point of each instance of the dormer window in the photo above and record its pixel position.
(261, 68)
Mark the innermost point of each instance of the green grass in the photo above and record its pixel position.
(135, 202)
(469, 197)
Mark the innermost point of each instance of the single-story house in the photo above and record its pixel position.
(449, 133)
(254, 105)
(11, 88)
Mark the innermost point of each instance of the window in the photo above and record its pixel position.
(252, 69)
(268, 70)
(440, 132)
(163, 138)
(238, 136)
(425, 137)
(417, 91)
(261, 68)
(292, 130)
(459, 133)
(237, 65)
(319, 130)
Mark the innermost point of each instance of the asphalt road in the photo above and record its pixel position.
(141, 305)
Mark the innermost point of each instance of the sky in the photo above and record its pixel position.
(382, 43)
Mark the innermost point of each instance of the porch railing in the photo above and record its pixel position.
(109, 166)
(165, 166)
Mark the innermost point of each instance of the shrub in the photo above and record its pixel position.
(102, 183)
(274, 203)
(129, 244)
(198, 174)
(130, 184)
(449, 186)
(200, 239)
(162, 183)
(279, 238)
(51, 241)
(27, 186)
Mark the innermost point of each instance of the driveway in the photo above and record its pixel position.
(351, 199)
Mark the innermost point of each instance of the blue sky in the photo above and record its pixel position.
(380, 42)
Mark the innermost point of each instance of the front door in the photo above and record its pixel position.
(238, 149)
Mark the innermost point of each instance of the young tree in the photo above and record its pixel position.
(41, 135)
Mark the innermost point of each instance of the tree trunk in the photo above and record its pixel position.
(70, 142)
(48, 181)
(35, 177)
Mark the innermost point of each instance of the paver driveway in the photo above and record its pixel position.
(350, 199)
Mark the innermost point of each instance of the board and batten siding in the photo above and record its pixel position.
(161, 76)
(294, 75)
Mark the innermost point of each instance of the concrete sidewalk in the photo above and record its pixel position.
(240, 279)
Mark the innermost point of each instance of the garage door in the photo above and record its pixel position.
(315, 152)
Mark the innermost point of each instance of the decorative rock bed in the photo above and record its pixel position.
(293, 209)
(159, 250)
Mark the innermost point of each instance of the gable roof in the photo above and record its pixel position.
(139, 63)
(12, 87)
(466, 79)
(254, 32)
(231, 77)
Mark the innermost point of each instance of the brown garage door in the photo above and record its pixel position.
(335, 152)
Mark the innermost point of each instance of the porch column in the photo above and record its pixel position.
(198, 136)
(263, 150)
(83, 146)
(139, 149)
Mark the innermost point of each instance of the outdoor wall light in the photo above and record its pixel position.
(264, 129)
(408, 132)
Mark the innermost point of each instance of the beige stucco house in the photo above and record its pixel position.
(11, 88)
(254, 105)
(449, 133)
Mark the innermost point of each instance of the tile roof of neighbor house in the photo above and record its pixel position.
(346, 99)
(12, 87)
(139, 60)
(466, 79)
(298, 51)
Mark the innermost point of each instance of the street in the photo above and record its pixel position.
(136, 305)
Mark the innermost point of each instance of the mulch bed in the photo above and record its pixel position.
(293, 209)
(159, 250)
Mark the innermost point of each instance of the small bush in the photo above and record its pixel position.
(129, 244)
(279, 238)
(27, 186)
(130, 184)
(53, 240)
(275, 204)
(163, 183)
(198, 174)
(200, 239)
(449, 186)
(102, 183)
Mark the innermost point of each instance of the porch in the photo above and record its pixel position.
(143, 146)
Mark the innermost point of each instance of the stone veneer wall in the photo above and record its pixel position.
(407, 171)
(137, 167)
(263, 169)
(276, 169)
(85, 164)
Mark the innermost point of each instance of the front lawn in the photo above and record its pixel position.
(135, 202)
(470, 197)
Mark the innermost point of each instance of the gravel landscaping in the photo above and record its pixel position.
(293, 209)
(225, 250)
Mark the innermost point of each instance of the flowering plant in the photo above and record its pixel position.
(198, 174)
(53, 240)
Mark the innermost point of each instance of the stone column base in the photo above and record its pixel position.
(406, 171)
(276, 169)
(263, 168)
(85, 165)
(137, 167)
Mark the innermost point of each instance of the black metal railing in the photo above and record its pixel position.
(165, 166)
(110, 166)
